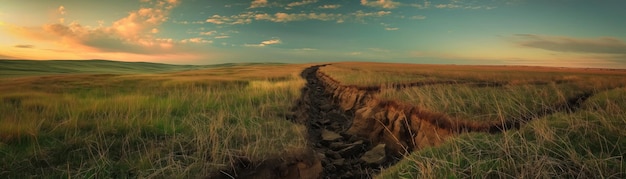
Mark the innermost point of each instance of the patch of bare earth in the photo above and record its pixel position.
(354, 134)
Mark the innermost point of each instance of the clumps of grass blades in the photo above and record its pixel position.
(486, 103)
(165, 125)
(589, 143)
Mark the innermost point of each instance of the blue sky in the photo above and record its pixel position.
(572, 33)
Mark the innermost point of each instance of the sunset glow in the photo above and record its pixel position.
(571, 33)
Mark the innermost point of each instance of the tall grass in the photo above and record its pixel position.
(486, 103)
(589, 143)
(177, 125)
(585, 143)
(375, 74)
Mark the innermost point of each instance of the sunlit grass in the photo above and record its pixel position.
(589, 143)
(586, 143)
(180, 125)
(485, 103)
(376, 74)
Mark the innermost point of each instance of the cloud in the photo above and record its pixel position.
(330, 6)
(196, 40)
(243, 18)
(271, 42)
(133, 33)
(249, 17)
(418, 17)
(61, 10)
(265, 43)
(300, 3)
(387, 4)
(425, 5)
(457, 4)
(258, 3)
(361, 14)
(24, 46)
(208, 33)
(388, 28)
(604, 45)
(447, 6)
(222, 37)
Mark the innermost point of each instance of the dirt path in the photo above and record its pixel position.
(353, 134)
(349, 156)
(342, 154)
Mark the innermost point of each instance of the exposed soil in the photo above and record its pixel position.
(354, 134)
(341, 153)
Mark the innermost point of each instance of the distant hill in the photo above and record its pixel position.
(15, 68)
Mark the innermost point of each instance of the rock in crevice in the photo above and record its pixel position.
(353, 133)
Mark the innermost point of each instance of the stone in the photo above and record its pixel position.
(375, 156)
(348, 151)
(325, 121)
(339, 162)
(336, 116)
(337, 145)
(352, 149)
(330, 136)
(333, 155)
(321, 156)
(326, 106)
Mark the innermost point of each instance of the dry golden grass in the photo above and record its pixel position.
(173, 125)
(367, 74)
(584, 142)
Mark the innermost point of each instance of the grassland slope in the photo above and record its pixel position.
(184, 124)
(16, 68)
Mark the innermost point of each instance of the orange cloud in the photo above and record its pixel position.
(258, 3)
(265, 43)
(133, 33)
(387, 4)
(129, 38)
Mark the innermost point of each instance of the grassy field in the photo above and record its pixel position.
(587, 143)
(19, 68)
(376, 74)
(104, 119)
(173, 125)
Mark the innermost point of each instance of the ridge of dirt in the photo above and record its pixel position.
(399, 86)
(403, 127)
(354, 134)
(339, 151)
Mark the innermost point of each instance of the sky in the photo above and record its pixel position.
(568, 33)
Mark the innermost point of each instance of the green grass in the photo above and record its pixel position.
(104, 119)
(486, 103)
(175, 125)
(17, 68)
(589, 143)
(376, 74)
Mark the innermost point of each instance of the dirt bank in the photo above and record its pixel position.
(353, 133)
